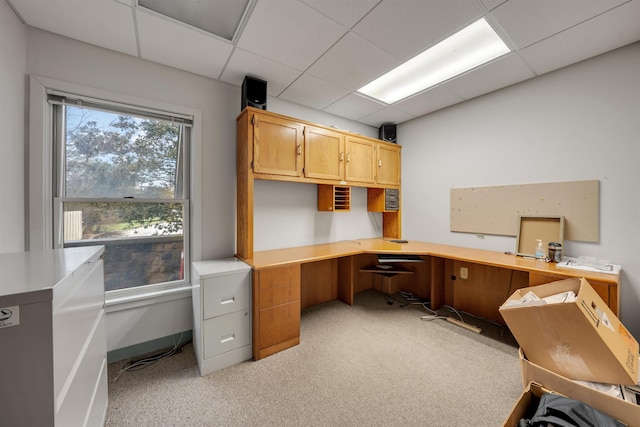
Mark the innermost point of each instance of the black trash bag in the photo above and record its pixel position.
(560, 411)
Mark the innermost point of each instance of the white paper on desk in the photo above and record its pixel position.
(593, 264)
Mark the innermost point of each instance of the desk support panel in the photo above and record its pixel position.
(319, 282)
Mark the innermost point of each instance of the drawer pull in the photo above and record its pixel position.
(228, 300)
(227, 338)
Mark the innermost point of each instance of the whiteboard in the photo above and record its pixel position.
(497, 209)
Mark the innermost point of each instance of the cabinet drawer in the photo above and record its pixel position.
(279, 324)
(75, 402)
(278, 285)
(226, 333)
(226, 294)
(79, 306)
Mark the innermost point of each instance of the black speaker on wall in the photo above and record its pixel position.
(254, 93)
(387, 132)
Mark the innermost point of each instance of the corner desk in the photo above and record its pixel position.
(285, 281)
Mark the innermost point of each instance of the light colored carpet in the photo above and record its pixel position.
(370, 364)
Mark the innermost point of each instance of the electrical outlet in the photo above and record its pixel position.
(464, 273)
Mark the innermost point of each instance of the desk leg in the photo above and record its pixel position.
(437, 282)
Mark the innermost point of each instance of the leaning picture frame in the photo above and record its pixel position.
(534, 228)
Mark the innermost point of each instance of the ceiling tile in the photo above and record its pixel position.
(571, 46)
(352, 63)
(313, 92)
(406, 28)
(289, 32)
(104, 23)
(354, 106)
(428, 101)
(347, 13)
(387, 115)
(171, 43)
(243, 63)
(507, 70)
(491, 4)
(306, 52)
(219, 17)
(528, 22)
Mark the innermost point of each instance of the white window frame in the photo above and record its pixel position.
(41, 180)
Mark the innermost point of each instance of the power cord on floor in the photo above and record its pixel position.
(434, 315)
(141, 363)
(411, 299)
(390, 300)
(414, 300)
(502, 328)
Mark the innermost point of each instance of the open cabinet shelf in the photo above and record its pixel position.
(334, 198)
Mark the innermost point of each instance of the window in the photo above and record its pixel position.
(121, 180)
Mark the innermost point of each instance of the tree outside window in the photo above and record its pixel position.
(121, 183)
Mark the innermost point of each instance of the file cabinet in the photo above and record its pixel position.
(222, 313)
(53, 366)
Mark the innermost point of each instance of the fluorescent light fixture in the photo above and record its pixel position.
(470, 47)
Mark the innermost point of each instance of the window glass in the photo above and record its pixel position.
(121, 184)
(111, 155)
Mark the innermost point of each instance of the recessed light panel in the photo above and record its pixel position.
(470, 47)
(219, 17)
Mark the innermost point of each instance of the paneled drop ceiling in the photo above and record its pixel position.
(317, 53)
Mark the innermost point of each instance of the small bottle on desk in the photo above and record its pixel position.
(540, 250)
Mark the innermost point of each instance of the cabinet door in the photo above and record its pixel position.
(277, 146)
(360, 160)
(323, 154)
(276, 308)
(388, 164)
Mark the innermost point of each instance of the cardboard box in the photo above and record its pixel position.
(389, 284)
(526, 405)
(620, 409)
(580, 340)
(529, 401)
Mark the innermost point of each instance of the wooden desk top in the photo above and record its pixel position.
(302, 254)
(481, 256)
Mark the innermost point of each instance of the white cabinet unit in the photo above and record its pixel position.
(222, 313)
(53, 338)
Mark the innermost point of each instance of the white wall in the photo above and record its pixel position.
(286, 215)
(12, 123)
(578, 123)
(213, 203)
(67, 60)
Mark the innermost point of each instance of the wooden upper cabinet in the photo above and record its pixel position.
(277, 146)
(388, 164)
(360, 160)
(323, 154)
(287, 149)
